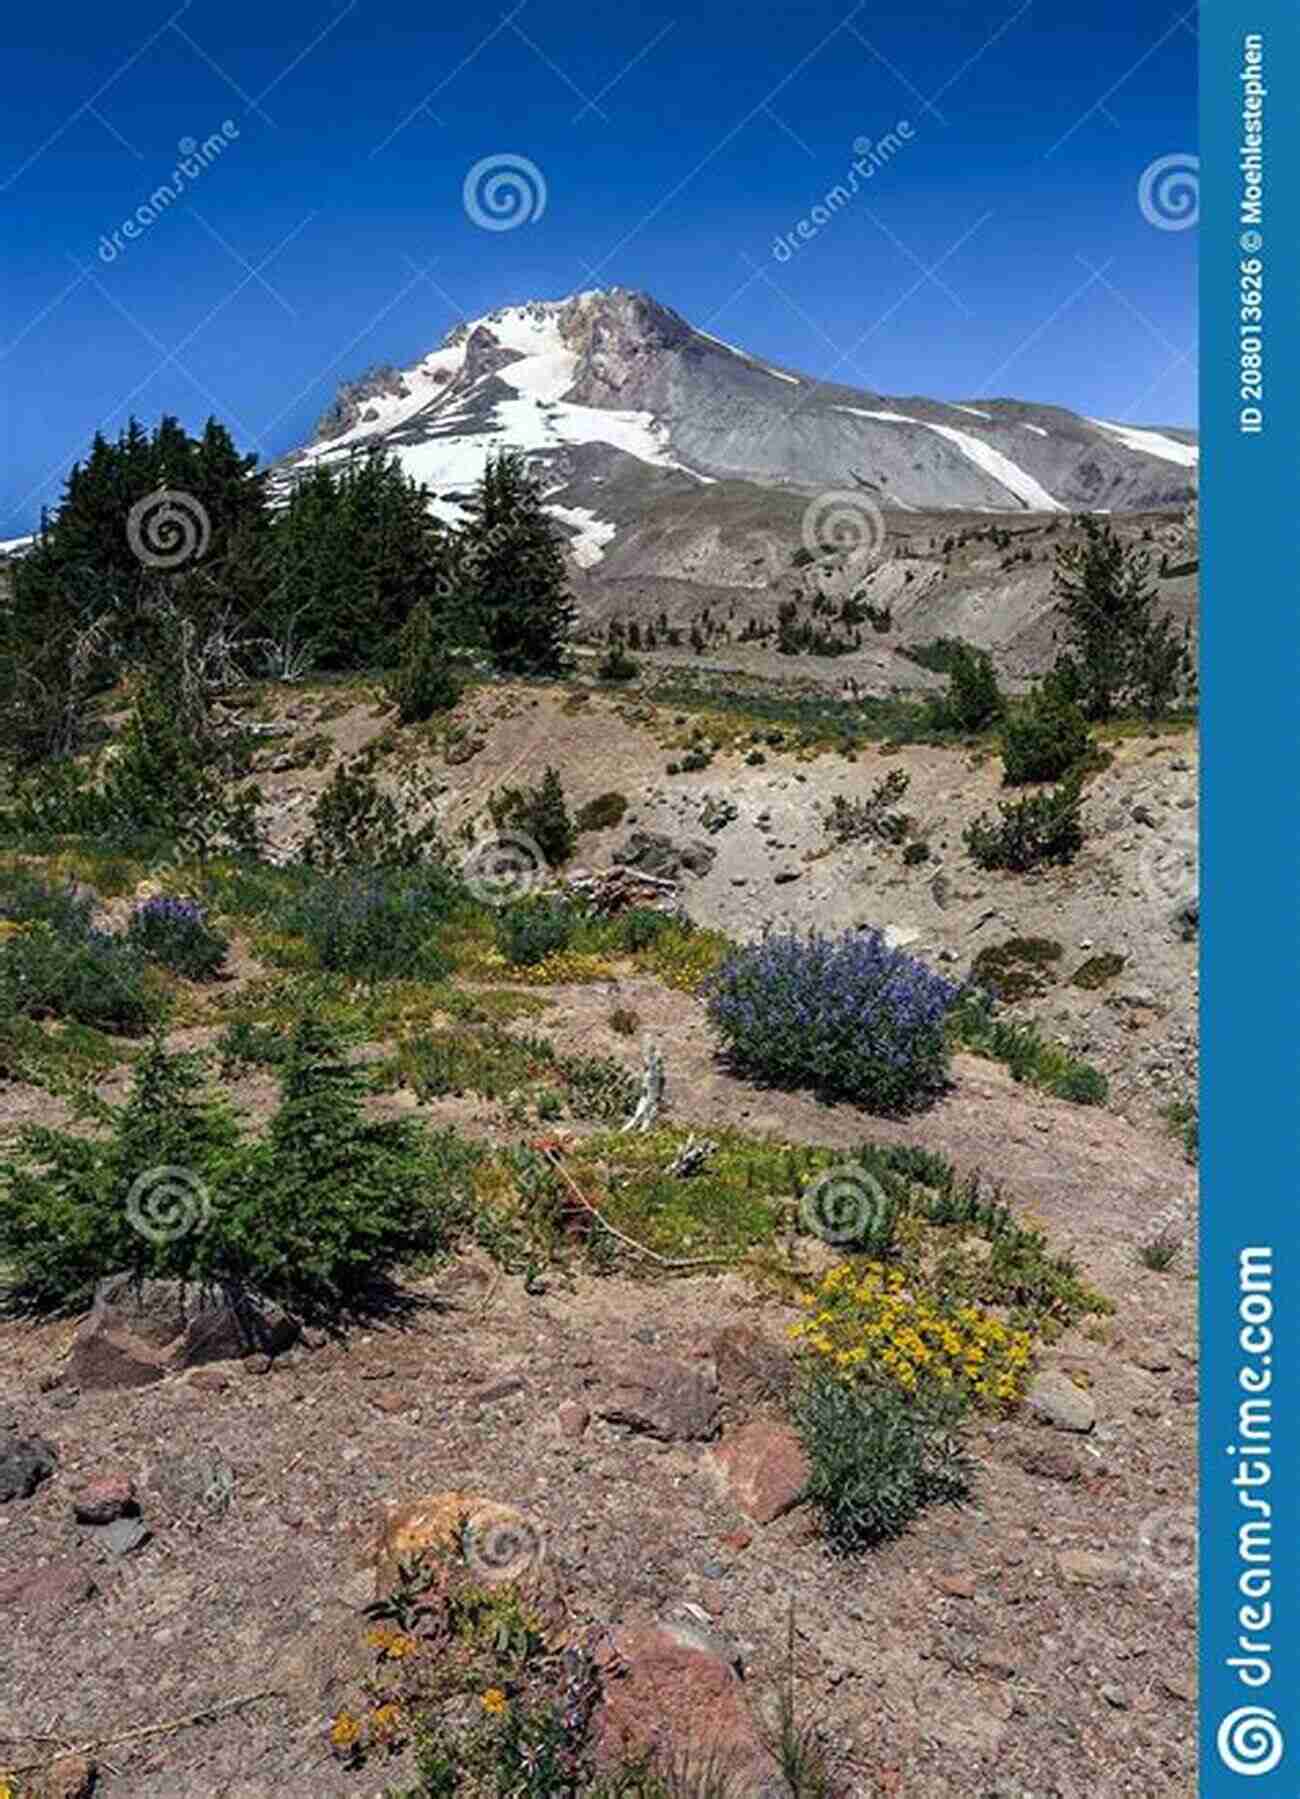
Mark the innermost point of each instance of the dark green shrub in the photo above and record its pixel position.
(916, 853)
(533, 929)
(617, 665)
(378, 926)
(175, 933)
(312, 1213)
(1097, 970)
(53, 965)
(599, 814)
(640, 926)
(356, 824)
(852, 821)
(1043, 828)
(1044, 740)
(540, 813)
(877, 1457)
(426, 680)
(1020, 968)
(973, 701)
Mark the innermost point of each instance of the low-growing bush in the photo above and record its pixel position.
(640, 926)
(600, 814)
(617, 665)
(377, 926)
(1020, 968)
(852, 821)
(973, 700)
(540, 813)
(533, 929)
(356, 824)
(1024, 1051)
(90, 976)
(1044, 739)
(1046, 827)
(847, 1016)
(869, 1322)
(312, 1213)
(877, 1457)
(176, 933)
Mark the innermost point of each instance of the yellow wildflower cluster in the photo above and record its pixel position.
(562, 965)
(495, 1702)
(866, 1319)
(394, 1645)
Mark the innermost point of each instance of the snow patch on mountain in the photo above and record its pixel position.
(1152, 443)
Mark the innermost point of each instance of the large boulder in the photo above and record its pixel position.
(754, 1373)
(140, 1331)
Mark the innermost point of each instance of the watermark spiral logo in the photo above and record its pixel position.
(1169, 192)
(844, 524)
(504, 868)
(167, 1203)
(1167, 1544)
(168, 528)
(507, 1550)
(504, 191)
(1249, 1741)
(845, 1205)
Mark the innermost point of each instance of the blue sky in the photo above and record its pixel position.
(1002, 252)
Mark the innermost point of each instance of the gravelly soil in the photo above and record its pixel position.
(1034, 1685)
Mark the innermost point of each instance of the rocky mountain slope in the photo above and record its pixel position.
(627, 407)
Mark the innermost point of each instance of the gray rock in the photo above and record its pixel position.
(671, 1401)
(123, 1536)
(140, 1331)
(1054, 1399)
(24, 1463)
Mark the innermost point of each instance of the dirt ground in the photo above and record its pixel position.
(1037, 1644)
(967, 1657)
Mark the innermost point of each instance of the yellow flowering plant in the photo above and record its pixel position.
(866, 1320)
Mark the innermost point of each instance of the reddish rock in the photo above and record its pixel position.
(106, 1497)
(572, 1419)
(52, 1590)
(668, 1694)
(956, 1586)
(209, 1380)
(762, 1469)
(668, 1400)
(390, 1400)
(737, 1540)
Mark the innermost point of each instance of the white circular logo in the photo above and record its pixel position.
(503, 868)
(1169, 192)
(506, 1551)
(1167, 1542)
(167, 1203)
(1249, 1741)
(168, 528)
(839, 523)
(1170, 865)
(844, 1206)
(503, 191)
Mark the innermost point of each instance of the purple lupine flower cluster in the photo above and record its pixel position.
(847, 1016)
(176, 933)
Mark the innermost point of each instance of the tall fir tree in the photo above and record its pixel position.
(514, 573)
(1120, 652)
